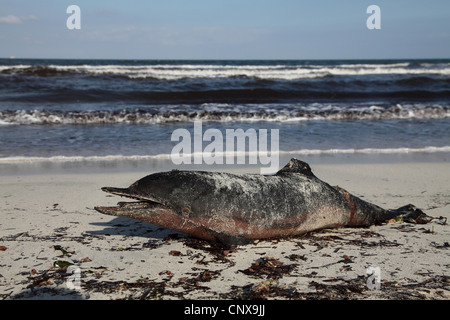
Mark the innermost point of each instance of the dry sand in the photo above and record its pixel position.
(47, 219)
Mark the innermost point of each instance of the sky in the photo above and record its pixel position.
(225, 29)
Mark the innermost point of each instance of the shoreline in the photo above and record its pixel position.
(115, 165)
(47, 216)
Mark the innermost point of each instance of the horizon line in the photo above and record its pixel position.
(222, 59)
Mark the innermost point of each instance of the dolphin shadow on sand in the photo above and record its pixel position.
(236, 209)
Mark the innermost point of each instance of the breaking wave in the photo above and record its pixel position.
(224, 113)
(196, 82)
(198, 70)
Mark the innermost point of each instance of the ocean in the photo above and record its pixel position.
(72, 110)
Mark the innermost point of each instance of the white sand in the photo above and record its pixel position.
(122, 258)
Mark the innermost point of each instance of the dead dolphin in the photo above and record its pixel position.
(238, 208)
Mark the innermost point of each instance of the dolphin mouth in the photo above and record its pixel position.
(125, 192)
(127, 207)
(143, 203)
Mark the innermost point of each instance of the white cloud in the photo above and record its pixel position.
(10, 19)
(30, 17)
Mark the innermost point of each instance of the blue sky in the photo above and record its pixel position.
(225, 29)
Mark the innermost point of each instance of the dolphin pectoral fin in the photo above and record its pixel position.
(231, 240)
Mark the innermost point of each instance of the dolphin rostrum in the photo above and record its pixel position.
(238, 208)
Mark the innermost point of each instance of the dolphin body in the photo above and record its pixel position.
(238, 208)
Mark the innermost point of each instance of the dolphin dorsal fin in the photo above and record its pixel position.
(296, 166)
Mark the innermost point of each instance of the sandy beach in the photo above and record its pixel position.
(48, 223)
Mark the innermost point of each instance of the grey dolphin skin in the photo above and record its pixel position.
(238, 208)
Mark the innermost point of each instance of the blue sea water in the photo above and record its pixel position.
(80, 109)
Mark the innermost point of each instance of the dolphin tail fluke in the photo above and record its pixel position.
(411, 213)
